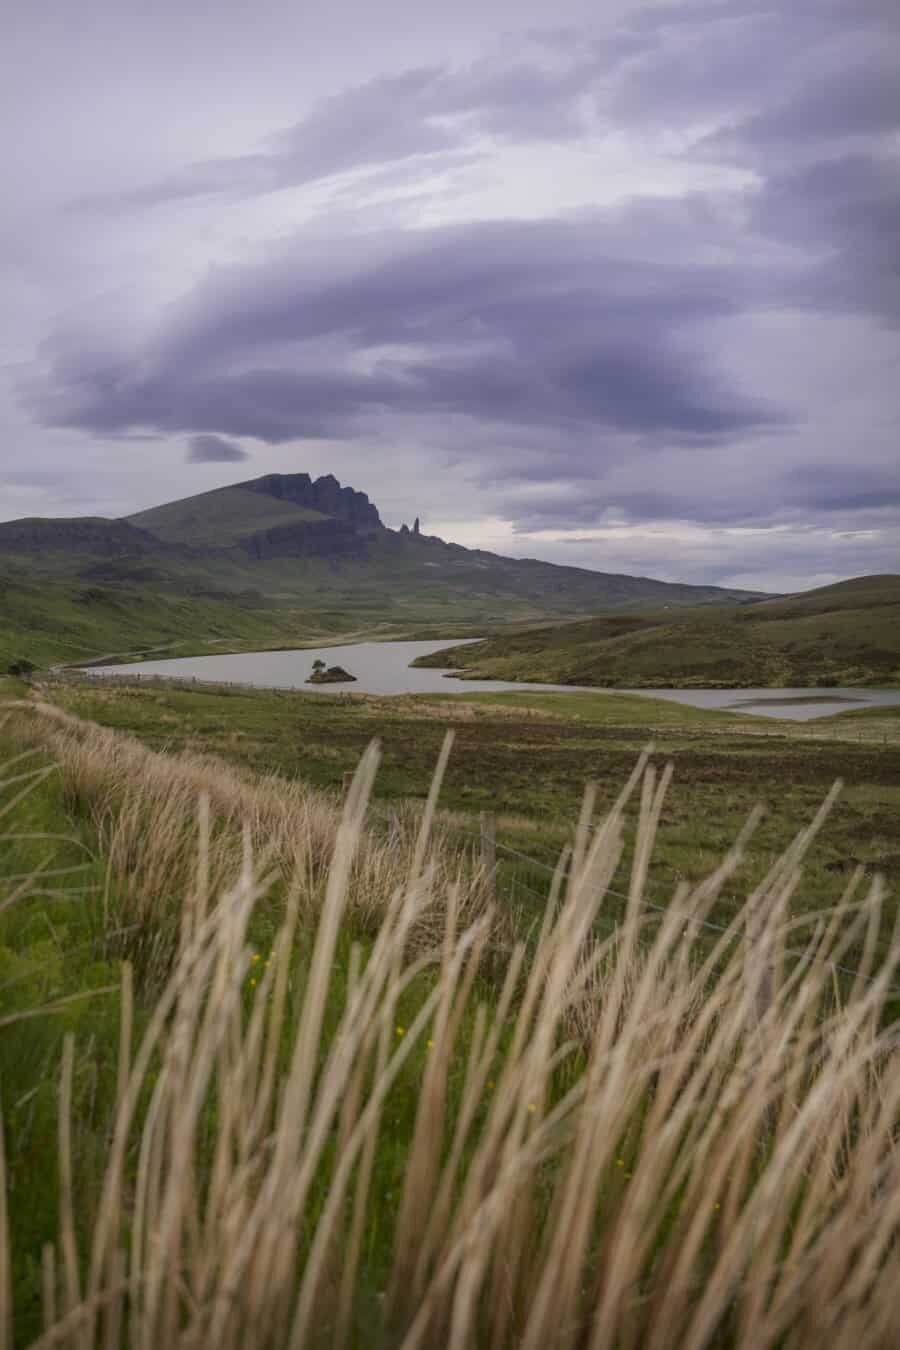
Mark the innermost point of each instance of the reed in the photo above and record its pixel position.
(639, 1141)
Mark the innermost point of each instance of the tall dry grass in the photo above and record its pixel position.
(641, 1142)
(150, 808)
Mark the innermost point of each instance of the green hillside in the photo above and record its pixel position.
(846, 634)
(280, 559)
(221, 518)
(57, 623)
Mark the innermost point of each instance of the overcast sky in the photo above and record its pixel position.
(620, 289)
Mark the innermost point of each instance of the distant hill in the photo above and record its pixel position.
(309, 546)
(231, 515)
(845, 634)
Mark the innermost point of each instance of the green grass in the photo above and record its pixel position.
(525, 758)
(220, 518)
(53, 947)
(299, 570)
(847, 634)
(60, 956)
(521, 754)
(58, 623)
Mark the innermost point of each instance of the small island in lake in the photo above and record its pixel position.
(322, 674)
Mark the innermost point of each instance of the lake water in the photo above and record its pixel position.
(384, 668)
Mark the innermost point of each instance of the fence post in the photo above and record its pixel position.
(758, 967)
(346, 781)
(489, 848)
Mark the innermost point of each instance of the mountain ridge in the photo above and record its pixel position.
(289, 535)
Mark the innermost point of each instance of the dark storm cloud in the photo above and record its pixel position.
(512, 324)
(741, 62)
(824, 143)
(848, 208)
(854, 101)
(844, 487)
(657, 359)
(209, 449)
(817, 491)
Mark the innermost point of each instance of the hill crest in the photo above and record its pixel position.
(294, 539)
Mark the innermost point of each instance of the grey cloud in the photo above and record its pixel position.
(427, 111)
(382, 120)
(208, 449)
(562, 367)
(849, 102)
(849, 208)
(763, 88)
(518, 325)
(820, 131)
(536, 95)
(794, 560)
(844, 487)
(811, 493)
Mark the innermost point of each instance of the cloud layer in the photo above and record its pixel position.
(207, 449)
(639, 273)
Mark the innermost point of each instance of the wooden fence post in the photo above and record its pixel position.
(758, 967)
(489, 848)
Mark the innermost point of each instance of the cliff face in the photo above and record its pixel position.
(320, 494)
(311, 539)
(77, 535)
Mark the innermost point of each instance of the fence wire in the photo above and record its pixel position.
(689, 919)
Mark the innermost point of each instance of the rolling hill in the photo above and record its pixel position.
(845, 634)
(304, 556)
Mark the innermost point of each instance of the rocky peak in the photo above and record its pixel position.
(323, 494)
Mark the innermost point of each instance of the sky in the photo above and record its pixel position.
(617, 288)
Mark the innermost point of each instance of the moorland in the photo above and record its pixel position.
(509, 1020)
(840, 635)
(244, 996)
(278, 561)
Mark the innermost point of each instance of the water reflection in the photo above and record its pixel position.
(384, 668)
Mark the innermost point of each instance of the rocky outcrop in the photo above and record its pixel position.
(320, 494)
(332, 675)
(79, 535)
(307, 539)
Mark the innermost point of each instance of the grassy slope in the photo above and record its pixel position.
(400, 579)
(220, 517)
(52, 947)
(526, 758)
(516, 753)
(398, 568)
(847, 634)
(293, 602)
(54, 623)
(233, 541)
(61, 947)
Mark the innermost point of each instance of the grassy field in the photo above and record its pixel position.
(846, 634)
(277, 1073)
(525, 758)
(221, 517)
(54, 623)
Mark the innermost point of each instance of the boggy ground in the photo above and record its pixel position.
(525, 758)
(306, 1111)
